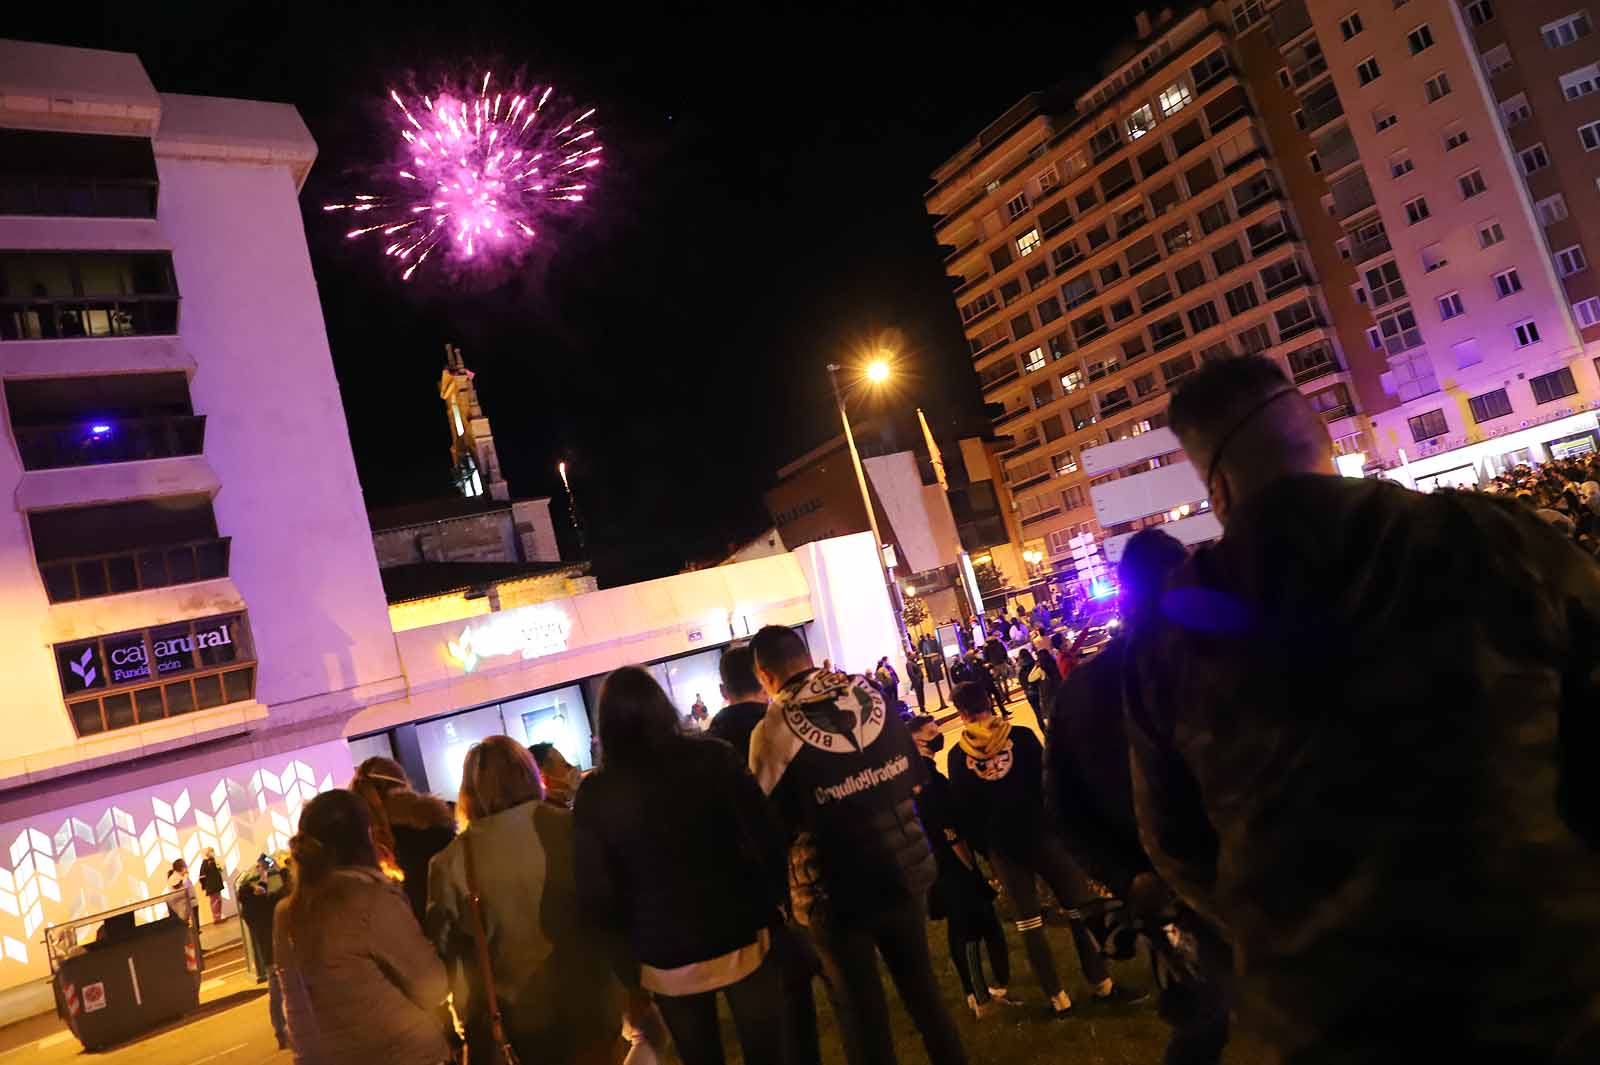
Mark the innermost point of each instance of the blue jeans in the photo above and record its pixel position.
(275, 1003)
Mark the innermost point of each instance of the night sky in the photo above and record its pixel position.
(759, 214)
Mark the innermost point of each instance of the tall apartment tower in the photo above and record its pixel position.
(472, 452)
(189, 598)
(1461, 142)
(1103, 247)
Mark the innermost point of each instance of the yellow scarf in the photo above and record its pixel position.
(985, 739)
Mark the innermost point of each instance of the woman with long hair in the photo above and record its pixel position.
(551, 976)
(408, 829)
(679, 851)
(360, 982)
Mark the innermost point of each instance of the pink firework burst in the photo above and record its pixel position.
(480, 170)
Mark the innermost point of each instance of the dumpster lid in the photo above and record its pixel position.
(61, 937)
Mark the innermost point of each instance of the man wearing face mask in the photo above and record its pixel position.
(961, 895)
(1363, 729)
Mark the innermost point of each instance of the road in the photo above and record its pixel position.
(230, 1026)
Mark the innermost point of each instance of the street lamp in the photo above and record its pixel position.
(876, 372)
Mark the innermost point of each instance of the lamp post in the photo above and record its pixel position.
(876, 373)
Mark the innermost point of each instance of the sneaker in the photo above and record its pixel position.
(1122, 996)
(1061, 1002)
(980, 1010)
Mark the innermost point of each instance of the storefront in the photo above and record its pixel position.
(1569, 436)
(533, 673)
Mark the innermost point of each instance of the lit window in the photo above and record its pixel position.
(1471, 184)
(1480, 12)
(1437, 87)
(1420, 39)
(1497, 59)
(1562, 32)
(1350, 25)
(1028, 243)
(1033, 360)
(1416, 210)
(1490, 234)
(1570, 261)
(1450, 306)
(1581, 82)
(1174, 98)
(1507, 283)
(1367, 71)
(1141, 122)
(1072, 380)
(1526, 332)
(1533, 159)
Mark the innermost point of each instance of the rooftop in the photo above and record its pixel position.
(424, 580)
(427, 511)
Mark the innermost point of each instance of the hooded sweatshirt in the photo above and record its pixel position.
(841, 771)
(996, 773)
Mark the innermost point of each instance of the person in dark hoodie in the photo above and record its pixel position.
(841, 770)
(961, 896)
(996, 774)
(1089, 792)
(408, 828)
(746, 701)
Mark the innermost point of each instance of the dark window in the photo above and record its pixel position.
(1086, 199)
(1078, 290)
(1116, 179)
(1427, 426)
(1228, 257)
(1142, 254)
(1227, 108)
(1133, 348)
(1010, 292)
(1153, 160)
(1553, 386)
(122, 547)
(53, 295)
(1214, 217)
(1109, 273)
(1154, 292)
(1049, 310)
(1201, 176)
(44, 173)
(1021, 326)
(1000, 258)
(1241, 299)
(1190, 277)
(1174, 370)
(1490, 405)
(1256, 339)
(1209, 70)
(1122, 310)
(1203, 317)
(1053, 429)
(1097, 236)
(1179, 236)
(1088, 327)
(1054, 217)
(1164, 199)
(1038, 275)
(1188, 137)
(1166, 332)
(1144, 384)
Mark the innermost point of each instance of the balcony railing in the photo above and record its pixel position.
(1031, 481)
(995, 382)
(1308, 72)
(959, 252)
(1021, 449)
(1264, 236)
(1165, 342)
(135, 569)
(1040, 516)
(232, 683)
(1362, 250)
(1303, 325)
(49, 447)
(1343, 410)
(71, 318)
(1108, 409)
(1321, 114)
(1288, 21)
(1014, 412)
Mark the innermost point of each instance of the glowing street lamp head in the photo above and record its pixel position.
(878, 371)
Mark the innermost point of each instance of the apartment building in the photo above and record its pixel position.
(1461, 143)
(1104, 246)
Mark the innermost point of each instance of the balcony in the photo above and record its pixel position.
(1320, 114)
(1299, 327)
(1040, 516)
(1004, 379)
(1371, 248)
(1309, 72)
(1021, 449)
(1264, 236)
(1343, 410)
(1337, 150)
(69, 319)
(1040, 478)
(71, 579)
(1311, 363)
(964, 285)
(1014, 412)
(49, 447)
(1116, 407)
(959, 252)
(1289, 21)
(1352, 194)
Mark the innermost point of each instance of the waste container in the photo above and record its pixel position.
(124, 978)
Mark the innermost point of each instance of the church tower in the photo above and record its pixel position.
(472, 453)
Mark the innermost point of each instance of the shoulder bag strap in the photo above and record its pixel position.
(497, 1028)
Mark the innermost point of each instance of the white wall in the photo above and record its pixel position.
(855, 623)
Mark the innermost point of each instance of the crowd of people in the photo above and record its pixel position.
(1330, 776)
(1565, 493)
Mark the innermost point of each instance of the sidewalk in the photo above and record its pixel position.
(32, 999)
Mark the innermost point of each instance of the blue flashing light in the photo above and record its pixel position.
(1102, 590)
(99, 430)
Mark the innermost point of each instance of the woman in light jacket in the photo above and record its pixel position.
(360, 982)
(552, 976)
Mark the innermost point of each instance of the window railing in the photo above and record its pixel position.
(1093, 333)
(1116, 407)
(135, 706)
(136, 569)
(49, 447)
(64, 319)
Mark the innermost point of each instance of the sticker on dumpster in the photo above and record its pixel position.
(94, 997)
(71, 995)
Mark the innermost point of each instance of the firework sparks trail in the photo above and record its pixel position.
(477, 175)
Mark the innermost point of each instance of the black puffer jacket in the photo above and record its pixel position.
(1363, 747)
(842, 772)
(682, 857)
(422, 826)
